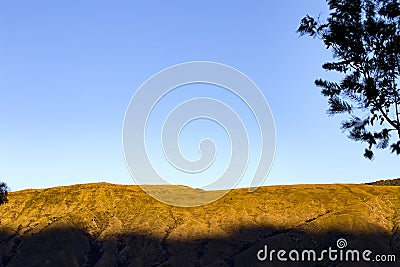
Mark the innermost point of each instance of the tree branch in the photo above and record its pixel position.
(397, 112)
(391, 122)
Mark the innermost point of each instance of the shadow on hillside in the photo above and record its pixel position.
(74, 247)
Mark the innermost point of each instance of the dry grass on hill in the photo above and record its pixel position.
(114, 225)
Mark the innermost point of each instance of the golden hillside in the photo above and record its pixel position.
(113, 225)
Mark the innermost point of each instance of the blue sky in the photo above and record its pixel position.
(68, 70)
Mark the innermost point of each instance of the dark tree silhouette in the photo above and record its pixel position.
(364, 36)
(3, 193)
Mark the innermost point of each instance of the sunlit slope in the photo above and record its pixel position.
(109, 225)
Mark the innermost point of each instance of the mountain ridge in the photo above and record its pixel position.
(102, 224)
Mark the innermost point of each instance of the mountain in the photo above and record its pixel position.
(117, 225)
(390, 182)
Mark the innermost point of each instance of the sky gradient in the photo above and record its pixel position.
(68, 70)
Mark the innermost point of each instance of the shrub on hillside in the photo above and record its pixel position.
(3, 193)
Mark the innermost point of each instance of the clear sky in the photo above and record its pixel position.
(68, 70)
